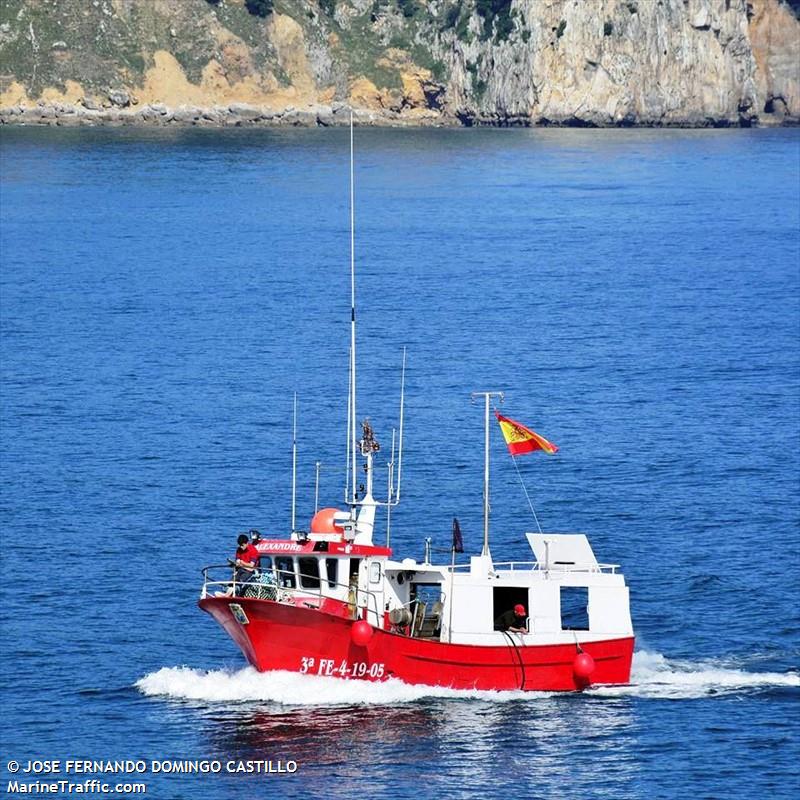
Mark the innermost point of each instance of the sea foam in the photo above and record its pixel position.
(653, 676)
(292, 688)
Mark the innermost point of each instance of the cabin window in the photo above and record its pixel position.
(309, 572)
(285, 567)
(375, 572)
(504, 599)
(574, 608)
(426, 607)
(426, 594)
(265, 564)
(355, 566)
(330, 568)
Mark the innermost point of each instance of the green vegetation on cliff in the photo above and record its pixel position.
(101, 44)
(556, 62)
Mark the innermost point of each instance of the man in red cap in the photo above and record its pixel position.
(514, 620)
(244, 563)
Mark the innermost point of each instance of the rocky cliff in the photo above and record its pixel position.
(577, 62)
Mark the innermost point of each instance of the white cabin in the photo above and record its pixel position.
(567, 594)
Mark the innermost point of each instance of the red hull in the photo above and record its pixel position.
(297, 639)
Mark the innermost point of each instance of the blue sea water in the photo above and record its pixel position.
(636, 294)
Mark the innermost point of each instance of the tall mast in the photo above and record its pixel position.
(352, 404)
(486, 396)
(349, 437)
(294, 461)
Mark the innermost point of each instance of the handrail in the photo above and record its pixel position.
(415, 614)
(292, 590)
(535, 566)
(556, 567)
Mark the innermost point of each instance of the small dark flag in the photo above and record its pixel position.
(458, 542)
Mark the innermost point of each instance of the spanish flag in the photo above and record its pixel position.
(521, 439)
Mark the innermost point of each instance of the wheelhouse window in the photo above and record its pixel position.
(265, 562)
(574, 608)
(309, 572)
(285, 567)
(330, 568)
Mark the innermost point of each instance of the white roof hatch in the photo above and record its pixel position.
(556, 550)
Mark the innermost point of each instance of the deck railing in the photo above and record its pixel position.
(271, 583)
(535, 566)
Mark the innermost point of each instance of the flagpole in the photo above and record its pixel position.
(452, 581)
(456, 546)
(486, 396)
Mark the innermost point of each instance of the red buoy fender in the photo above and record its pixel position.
(583, 667)
(361, 633)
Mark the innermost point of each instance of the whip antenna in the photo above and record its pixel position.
(390, 494)
(400, 448)
(352, 422)
(349, 439)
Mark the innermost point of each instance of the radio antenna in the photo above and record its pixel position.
(349, 438)
(390, 493)
(352, 422)
(400, 448)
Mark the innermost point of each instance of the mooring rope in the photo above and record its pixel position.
(519, 657)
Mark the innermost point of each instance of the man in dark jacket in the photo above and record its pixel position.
(514, 620)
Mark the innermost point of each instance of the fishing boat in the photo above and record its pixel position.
(331, 602)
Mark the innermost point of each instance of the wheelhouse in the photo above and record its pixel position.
(316, 572)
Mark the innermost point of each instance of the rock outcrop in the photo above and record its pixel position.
(528, 62)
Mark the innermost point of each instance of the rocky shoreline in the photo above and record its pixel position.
(336, 114)
(234, 115)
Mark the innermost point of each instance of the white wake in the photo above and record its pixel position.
(653, 676)
(292, 688)
(656, 676)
